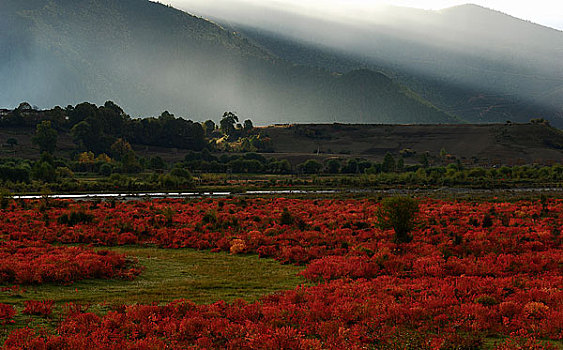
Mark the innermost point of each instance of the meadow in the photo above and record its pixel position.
(280, 273)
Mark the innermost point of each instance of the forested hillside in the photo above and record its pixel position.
(473, 104)
(148, 57)
(477, 63)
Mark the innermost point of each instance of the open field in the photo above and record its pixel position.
(170, 274)
(478, 274)
(487, 144)
(167, 275)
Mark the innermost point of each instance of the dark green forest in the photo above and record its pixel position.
(96, 128)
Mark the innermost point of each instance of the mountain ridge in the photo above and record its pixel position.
(480, 7)
(149, 57)
(511, 65)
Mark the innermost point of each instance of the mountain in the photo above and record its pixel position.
(480, 64)
(148, 57)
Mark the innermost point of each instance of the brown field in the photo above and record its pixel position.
(490, 144)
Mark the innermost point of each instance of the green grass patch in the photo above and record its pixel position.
(200, 276)
(169, 274)
(493, 342)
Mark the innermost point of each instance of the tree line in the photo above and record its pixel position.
(96, 128)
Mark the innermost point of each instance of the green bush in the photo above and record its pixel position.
(106, 169)
(310, 167)
(398, 213)
(182, 173)
(75, 217)
(5, 198)
(286, 218)
(486, 300)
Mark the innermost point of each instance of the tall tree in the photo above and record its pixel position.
(228, 123)
(209, 126)
(83, 135)
(400, 214)
(388, 163)
(45, 137)
(120, 148)
(248, 125)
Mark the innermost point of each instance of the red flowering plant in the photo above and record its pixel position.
(472, 270)
(39, 308)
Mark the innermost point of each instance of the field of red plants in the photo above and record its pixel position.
(475, 273)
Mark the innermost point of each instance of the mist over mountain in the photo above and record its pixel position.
(148, 57)
(480, 64)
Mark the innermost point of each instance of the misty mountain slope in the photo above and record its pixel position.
(473, 104)
(148, 57)
(478, 63)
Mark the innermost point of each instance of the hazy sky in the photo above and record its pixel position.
(546, 12)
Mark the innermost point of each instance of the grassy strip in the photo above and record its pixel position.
(169, 274)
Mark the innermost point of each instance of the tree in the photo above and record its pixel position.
(45, 137)
(157, 163)
(310, 167)
(57, 117)
(104, 158)
(25, 106)
(82, 112)
(113, 118)
(262, 143)
(280, 167)
(80, 132)
(333, 166)
(400, 164)
(86, 161)
(166, 116)
(130, 163)
(351, 167)
(106, 169)
(12, 142)
(120, 148)
(424, 161)
(88, 137)
(248, 125)
(388, 163)
(86, 158)
(209, 126)
(44, 170)
(182, 173)
(227, 123)
(398, 213)
(246, 145)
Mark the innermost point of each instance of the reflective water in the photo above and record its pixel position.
(126, 196)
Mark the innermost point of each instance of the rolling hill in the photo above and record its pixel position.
(148, 57)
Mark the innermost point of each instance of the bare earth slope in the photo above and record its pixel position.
(484, 144)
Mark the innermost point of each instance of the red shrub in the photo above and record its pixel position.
(454, 284)
(7, 312)
(39, 308)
